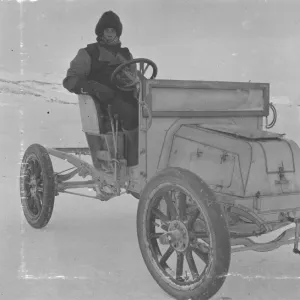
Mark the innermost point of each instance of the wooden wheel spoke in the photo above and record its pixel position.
(155, 235)
(166, 256)
(193, 219)
(203, 256)
(199, 235)
(182, 206)
(171, 207)
(27, 180)
(161, 216)
(31, 166)
(37, 169)
(37, 202)
(191, 264)
(179, 266)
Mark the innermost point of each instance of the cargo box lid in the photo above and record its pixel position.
(242, 132)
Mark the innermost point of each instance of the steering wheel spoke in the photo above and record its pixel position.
(143, 69)
(122, 73)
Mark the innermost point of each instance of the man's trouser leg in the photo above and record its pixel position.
(132, 146)
(128, 114)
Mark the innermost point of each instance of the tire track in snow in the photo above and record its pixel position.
(254, 277)
(23, 271)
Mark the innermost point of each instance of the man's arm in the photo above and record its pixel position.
(76, 80)
(78, 71)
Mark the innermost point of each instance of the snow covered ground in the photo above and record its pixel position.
(89, 250)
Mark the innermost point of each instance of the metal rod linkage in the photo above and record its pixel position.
(76, 185)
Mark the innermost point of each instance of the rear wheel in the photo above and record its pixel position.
(183, 235)
(37, 186)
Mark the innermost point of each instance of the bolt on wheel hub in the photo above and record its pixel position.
(177, 236)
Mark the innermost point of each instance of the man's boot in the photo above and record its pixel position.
(132, 152)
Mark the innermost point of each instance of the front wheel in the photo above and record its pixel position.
(37, 186)
(183, 235)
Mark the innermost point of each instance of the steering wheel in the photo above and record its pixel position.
(123, 73)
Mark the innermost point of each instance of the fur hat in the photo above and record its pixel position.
(109, 20)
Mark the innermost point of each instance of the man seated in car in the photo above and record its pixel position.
(90, 72)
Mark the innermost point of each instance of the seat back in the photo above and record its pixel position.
(94, 118)
(97, 128)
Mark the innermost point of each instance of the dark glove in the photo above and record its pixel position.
(94, 88)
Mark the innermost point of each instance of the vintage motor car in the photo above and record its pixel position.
(211, 176)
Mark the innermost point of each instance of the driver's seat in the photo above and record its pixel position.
(94, 116)
(96, 125)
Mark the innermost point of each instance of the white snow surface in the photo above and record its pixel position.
(89, 250)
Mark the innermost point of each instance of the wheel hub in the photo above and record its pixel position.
(33, 185)
(177, 236)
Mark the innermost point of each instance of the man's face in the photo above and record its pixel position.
(109, 34)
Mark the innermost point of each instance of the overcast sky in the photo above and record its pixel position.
(227, 40)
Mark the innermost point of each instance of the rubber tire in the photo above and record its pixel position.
(48, 184)
(221, 254)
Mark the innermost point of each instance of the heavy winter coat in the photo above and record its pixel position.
(96, 63)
